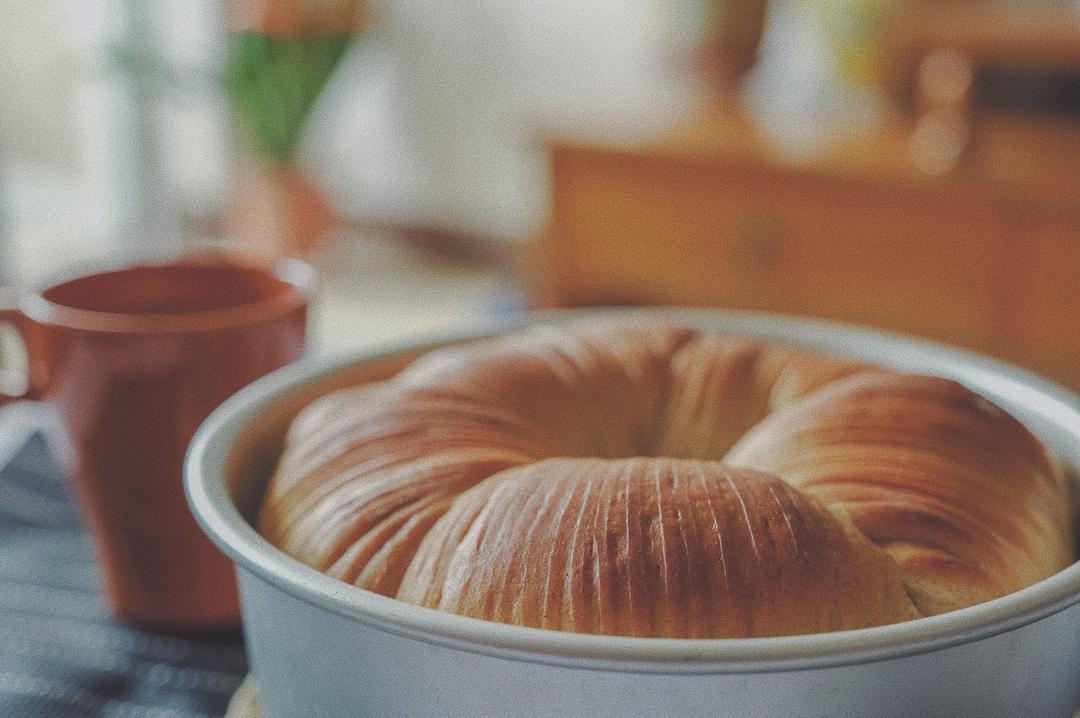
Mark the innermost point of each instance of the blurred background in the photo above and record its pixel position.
(909, 165)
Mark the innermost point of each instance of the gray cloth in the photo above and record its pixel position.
(61, 654)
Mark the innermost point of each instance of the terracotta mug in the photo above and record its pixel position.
(132, 360)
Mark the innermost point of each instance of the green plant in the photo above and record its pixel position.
(274, 82)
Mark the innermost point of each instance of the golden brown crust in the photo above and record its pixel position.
(720, 386)
(652, 547)
(505, 480)
(956, 490)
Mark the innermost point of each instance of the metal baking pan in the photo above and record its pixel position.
(319, 647)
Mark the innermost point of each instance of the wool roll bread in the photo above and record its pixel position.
(643, 479)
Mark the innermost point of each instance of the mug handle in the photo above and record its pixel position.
(14, 385)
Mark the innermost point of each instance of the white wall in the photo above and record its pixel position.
(107, 138)
(113, 128)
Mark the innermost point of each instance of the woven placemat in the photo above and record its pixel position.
(61, 652)
(245, 702)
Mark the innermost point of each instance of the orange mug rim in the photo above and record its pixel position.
(297, 275)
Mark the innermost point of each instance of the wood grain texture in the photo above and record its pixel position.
(983, 257)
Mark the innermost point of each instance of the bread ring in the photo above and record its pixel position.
(651, 480)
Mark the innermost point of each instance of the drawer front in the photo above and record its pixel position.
(1042, 327)
(773, 239)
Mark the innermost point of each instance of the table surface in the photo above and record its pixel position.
(61, 654)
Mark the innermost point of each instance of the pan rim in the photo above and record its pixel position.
(1055, 407)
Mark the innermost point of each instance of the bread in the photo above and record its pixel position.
(650, 480)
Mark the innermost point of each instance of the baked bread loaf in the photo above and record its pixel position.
(651, 480)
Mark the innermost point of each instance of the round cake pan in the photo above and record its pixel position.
(319, 647)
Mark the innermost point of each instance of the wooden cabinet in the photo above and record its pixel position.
(1042, 314)
(964, 259)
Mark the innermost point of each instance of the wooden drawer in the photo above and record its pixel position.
(1042, 328)
(633, 228)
